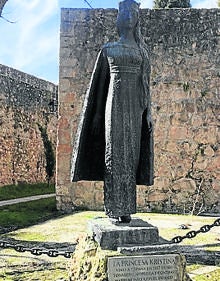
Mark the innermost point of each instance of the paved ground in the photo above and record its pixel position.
(25, 199)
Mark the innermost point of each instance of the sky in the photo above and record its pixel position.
(31, 43)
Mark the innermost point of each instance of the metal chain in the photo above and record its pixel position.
(67, 254)
(36, 251)
(191, 234)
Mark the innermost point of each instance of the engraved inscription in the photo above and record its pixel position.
(145, 268)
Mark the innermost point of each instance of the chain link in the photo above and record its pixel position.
(52, 253)
(191, 234)
(67, 254)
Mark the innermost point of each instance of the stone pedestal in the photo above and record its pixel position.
(112, 236)
(127, 252)
(92, 263)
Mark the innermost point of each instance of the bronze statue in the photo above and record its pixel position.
(114, 141)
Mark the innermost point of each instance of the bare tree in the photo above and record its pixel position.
(2, 4)
(89, 4)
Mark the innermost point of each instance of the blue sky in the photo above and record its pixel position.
(31, 44)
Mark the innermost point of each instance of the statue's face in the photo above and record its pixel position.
(127, 19)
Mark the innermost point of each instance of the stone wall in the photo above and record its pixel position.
(185, 83)
(27, 103)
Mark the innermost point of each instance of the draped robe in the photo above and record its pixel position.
(122, 153)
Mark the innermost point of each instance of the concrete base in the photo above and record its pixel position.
(136, 233)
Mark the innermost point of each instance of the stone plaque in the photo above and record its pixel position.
(146, 268)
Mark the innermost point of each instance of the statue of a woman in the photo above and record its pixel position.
(114, 142)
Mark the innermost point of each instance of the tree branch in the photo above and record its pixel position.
(2, 4)
(88, 4)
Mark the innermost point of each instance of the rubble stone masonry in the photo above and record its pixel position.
(26, 102)
(185, 82)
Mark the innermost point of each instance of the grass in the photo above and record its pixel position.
(8, 192)
(25, 214)
(35, 271)
(169, 227)
(25, 267)
(211, 276)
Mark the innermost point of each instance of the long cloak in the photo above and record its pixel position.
(88, 161)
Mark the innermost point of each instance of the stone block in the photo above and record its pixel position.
(65, 149)
(64, 137)
(61, 190)
(111, 236)
(184, 184)
(209, 151)
(157, 196)
(206, 135)
(64, 85)
(63, 123)
(141, 196)
(161, 183)
(98, 198)
(178, 133)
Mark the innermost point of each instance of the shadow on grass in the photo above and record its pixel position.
(21, 215)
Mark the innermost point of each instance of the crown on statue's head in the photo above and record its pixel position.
(131, 4)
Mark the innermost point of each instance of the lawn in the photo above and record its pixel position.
(25, 214)
(66, 229)
(8, 192)
(40, 222)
